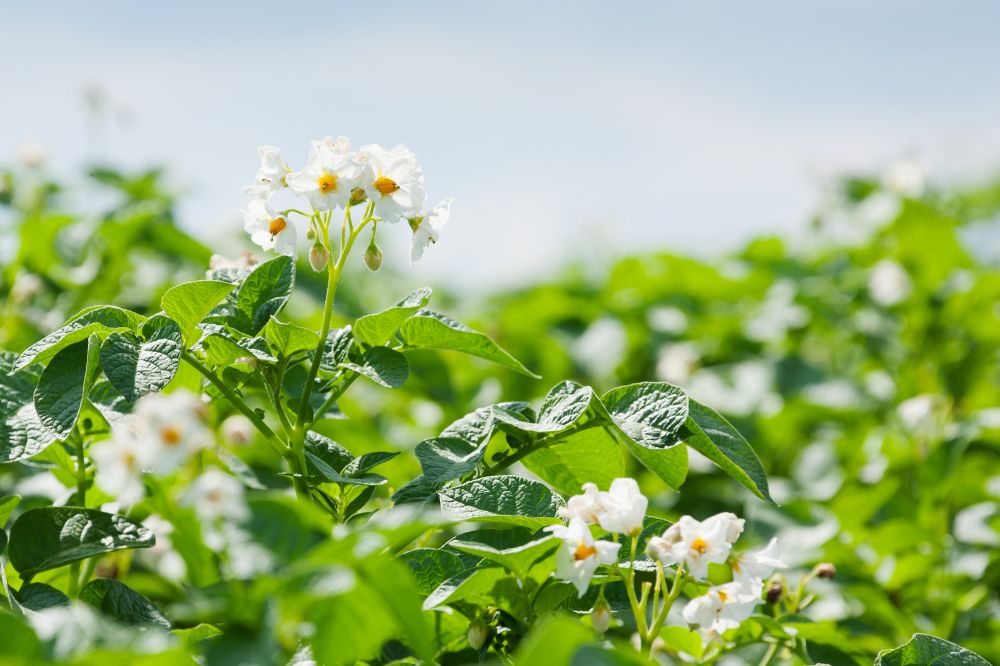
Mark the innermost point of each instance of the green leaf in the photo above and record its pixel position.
(563, 406)
(122, 603)
(102, 320)
(383, 366)
(23, 435)
(20, 645)
(263, 293)
(445, 458)
(926, 650)
(518, 559)
(431, 566)
(15, 390)
(39, 596)
(3, 540)
(376, 329)
(137, 367)
(326, 451)
(286, 340)
(189, 303)
(716, 439)
(60, 390)
(429, 330)
(510, 500)
(592, 454)
(222, 351)
(471, 584)
(553, 642)
(50, 537)
(367, 461)
(336, 349)
(7, 506)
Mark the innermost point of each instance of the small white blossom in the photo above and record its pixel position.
(587, 507)
(580, 554)
(731, 523)
(331, 172)
(721, 608)
(427, 228)
(216, 495)
(172, 426)
(393, 181)
(624, 507)
(245, 261)
(271, 174)
(888, 283)
(269, 229)
(162, 555)
(750, 569)
(694, 543)
(119, 464)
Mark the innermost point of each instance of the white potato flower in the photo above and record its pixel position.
(750, 569)
(271, 175)
(587, 507)
(173, 428)
(331, 173)
(731, 523)
(393, 181)
(723, 607)
(580, 555)
(119, 464)
(694, 543)
(215, 495)
(621, 509)
(269, 229)
(427, 228)
(889, 284)
(245, 261)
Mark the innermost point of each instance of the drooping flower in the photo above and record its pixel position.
(427, 228)
(722, 608)
(331, 172)
(173, 428)
(268, 228)
(119, 464)
(271, 174)
(393, 181)
(694, 543)
(580, 555)
(215, 495)
(750, 569)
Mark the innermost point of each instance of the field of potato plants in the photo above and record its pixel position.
(786, 455)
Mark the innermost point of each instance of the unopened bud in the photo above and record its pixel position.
(479, 633)
(358, 196)
(319, 257)
(311, 234)
(826, 570)
(373, 256)
(774, 592)
(600, 617)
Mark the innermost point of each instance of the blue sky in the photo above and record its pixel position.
(561, 128)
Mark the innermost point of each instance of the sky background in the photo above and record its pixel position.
(562, 129)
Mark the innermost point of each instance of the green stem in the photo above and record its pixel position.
(81, 498)
(769, 655)
(668, 602)
(638, 610)
(349, 378)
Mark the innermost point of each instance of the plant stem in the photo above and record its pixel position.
(81, 498)
(769, 655)
(638, 610)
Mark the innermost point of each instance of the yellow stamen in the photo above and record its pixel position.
(277, 225)
(327, 183)
(386, 185)
(699, 546)
(722, 596)
(583, 551)
(171, 436)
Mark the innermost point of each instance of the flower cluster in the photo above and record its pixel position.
(388, 181)
(162, 434)
(688, 545)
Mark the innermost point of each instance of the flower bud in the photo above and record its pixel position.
(319, 257)
(774, 592)
(311, 234)
(358, 196)
(373, 256)
(600, 617)
(826, 570)
(479, 633)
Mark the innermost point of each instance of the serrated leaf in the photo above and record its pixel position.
(136, 367)
(121, 603)
(189, 303)
(263, 293)
(715, 438)
(383, 366)
(430, 330)
(50, 537)
(286, 340)
(927, 650)
(103, 320)
(376, 329)
(431, 567)
(506, 499)
(60, 390)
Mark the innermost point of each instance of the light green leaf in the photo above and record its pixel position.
(446, 458)
(589, 455)
(510, 500)
(102, 320)
(121, 603)
(431, 566)
(716, 439)
(60, 390)
(376, 329)
(50, 537)
(471, 584)
(429, 330)
(553, 642)
(189, 303)
(263, 293)
(7, 506)
(136, 367)
(383, 366)
(926, 650)
(20, 645)
(286, 340)
(519, 559)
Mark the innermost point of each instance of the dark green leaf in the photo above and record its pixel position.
(136, 367)
(102, 320)
(263, 293)
(60, 390)
(383, 366)
(926, 650)
(122, 603)
(505, 499)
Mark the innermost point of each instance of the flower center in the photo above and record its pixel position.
(723, 596)
(583, 551)
(699, 546)
(327, 183)
(171, 436)
(277, 225)
(386, 185)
